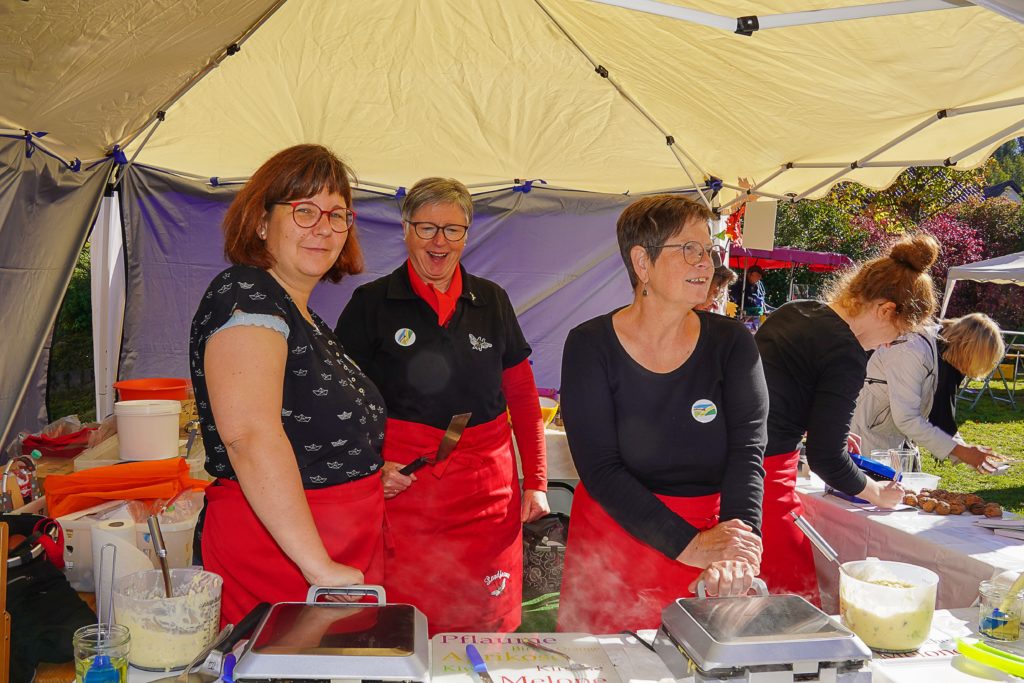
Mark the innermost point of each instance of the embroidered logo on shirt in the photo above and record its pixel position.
(224, 289)
(345, 415)
(258, 296)
(334, 465)
(313, 447)
(478, 343)
(339, 443)
(499, 580)
(299, 350)
(704, 411)
(320, 392)
(405, 337)
(302, 418)
(317, 479)
(245, 285)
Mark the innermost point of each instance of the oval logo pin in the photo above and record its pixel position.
(405, 337)
(704, 411)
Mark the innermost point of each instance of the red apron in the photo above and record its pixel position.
(237, 546)
(787, 561)
(455, 539)
(612, 581)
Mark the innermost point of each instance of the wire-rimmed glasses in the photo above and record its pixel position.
(427, 231)
(307, 215)
(693, 251)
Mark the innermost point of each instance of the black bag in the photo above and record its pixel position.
(544, 544)
(45, 610)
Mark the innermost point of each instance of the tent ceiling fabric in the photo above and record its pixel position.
(91, 72)
(490, 91)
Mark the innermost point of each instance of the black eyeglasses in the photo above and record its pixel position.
(307, 215)
(427, 230)
(693, 252)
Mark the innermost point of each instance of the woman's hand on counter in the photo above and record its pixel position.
(394, 481)
(884, 495)
(726, 578)
(729, 540)
(535, 505)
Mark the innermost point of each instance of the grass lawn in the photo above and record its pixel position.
(996, 425)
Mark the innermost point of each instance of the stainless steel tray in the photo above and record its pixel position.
(756, 631)
(324, 640)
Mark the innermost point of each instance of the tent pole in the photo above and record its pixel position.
(108, 296)
(789, 295)
(669, 139)
(787, 19)
(987, 106)
(754, 190)
(946, 296)
(228, 51)
(986, 142)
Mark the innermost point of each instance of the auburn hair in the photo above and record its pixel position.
(298, 172)
(900, 276)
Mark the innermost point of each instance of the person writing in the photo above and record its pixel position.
(664, 409)
(814, 355)
(439, 341)
(909, 396)
(292, 428)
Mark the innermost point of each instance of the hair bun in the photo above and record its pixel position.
(917, 253)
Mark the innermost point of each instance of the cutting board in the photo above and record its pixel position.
(510, 661)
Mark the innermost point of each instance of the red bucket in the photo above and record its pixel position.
(152, 388)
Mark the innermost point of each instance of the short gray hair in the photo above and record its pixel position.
(437, 191)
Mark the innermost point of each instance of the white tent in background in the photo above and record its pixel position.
(1002, 270)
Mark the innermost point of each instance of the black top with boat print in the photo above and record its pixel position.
(332, 413)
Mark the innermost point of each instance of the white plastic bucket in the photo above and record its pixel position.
(147, 430)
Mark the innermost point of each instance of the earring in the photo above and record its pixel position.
(262, 232)
(645, 289)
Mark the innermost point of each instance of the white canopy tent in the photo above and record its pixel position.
(1002, 270)
(615, 97)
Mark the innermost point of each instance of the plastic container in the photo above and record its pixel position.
(147, 430)
(915, 481)
(888, 604)
(178, 526)
(167, 633)
(152, 388)
(548, 408)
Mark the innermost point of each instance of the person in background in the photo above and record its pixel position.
(438, 342)
(298, 497)
(815, 356)
(720, 282)
(664, 408)
(911, 388)
(753, 294)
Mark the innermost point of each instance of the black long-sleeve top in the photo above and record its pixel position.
(694, 431)
(815, 368)
(947, 386)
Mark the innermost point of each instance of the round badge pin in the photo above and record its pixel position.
(405, 337)
(704, 411)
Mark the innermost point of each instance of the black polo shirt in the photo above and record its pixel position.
(426, 372)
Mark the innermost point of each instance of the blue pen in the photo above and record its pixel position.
(478, 664)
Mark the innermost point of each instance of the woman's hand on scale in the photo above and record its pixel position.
(728, 540)
(725, 578)
(394, 481)
(884, 495)
(335, 574)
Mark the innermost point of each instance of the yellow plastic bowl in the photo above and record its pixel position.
(548, 408)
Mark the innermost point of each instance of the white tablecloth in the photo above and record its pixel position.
(560, 467)
(961, 553)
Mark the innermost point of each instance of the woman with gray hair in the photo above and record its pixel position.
(438, 342)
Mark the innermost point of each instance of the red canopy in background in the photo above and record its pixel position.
(784, 257)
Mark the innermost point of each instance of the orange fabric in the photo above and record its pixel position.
(520, 391)
(151, 480)
(443, 303)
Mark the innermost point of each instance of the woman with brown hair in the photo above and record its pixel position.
(664, 408)
(911, 388)
(814, 355)
(292, 427)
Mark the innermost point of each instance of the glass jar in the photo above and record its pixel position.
(999, 611)
(101, 653)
